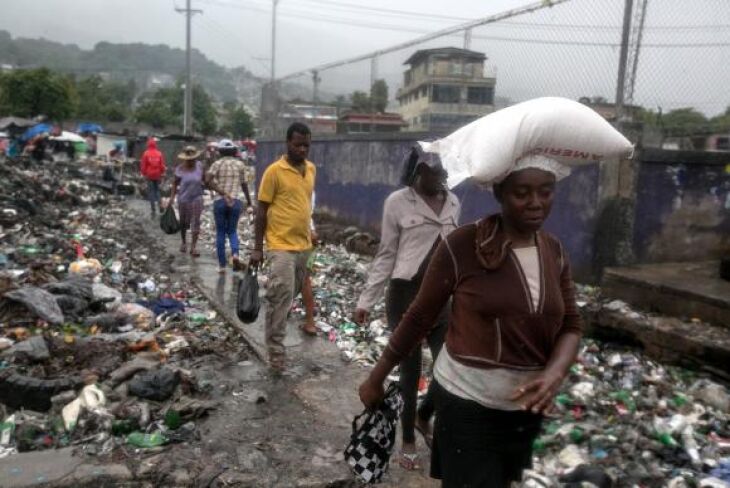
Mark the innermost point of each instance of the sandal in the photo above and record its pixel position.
(427, 438)
(409, 461)
(195, 253)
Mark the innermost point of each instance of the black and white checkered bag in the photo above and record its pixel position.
(373, 440)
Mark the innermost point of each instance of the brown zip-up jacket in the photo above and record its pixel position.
(493, 323)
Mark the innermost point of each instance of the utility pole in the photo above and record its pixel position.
(467, 38)
(270, 116)
(188, 105)
(623, 56)
(373, 77)
(273, 41)
(637, 33)
(316, 79)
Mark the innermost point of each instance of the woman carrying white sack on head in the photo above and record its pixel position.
(514, 327)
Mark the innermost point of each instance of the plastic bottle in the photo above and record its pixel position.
(625, 398)
(539, 445)
(173, 419)
(577, 435)
(139, 439)
(690, 445)
(6, 430)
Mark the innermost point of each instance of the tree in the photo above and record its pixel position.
(377, 101)
(684, 121)
(164, 107)
(238, 123)
(104, 101)
(205, 117)
(721, 123)
(379, 95)
(159, 108)
(360, 101)
(28, 93)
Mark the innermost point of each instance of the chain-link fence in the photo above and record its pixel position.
(678, 57)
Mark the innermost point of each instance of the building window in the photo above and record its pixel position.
(722, 144)
(455, 68)
(446, 93)
(480, 95)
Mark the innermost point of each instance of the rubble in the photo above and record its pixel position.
(621, 416)
(96, 335)
(117, 353)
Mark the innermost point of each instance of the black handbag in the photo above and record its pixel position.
(248, 303)
(168, 221)
(373, 438)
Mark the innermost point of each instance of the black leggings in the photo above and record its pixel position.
(479, 447)
(399, 297)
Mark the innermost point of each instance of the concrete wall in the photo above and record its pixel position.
(679, 201)
(356, 173)
(682, 206)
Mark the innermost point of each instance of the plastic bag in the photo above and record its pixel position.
(168, 221)
(38, 301)
(561, 129)
(373, 438)
(158, 385)
(248, 304)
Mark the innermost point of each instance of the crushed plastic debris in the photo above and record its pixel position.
(96, 328)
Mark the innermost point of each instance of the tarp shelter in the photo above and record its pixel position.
(35, 130)
(67, 136)
(89, 128)
(12, 124)
(78, 142)
(105, 143)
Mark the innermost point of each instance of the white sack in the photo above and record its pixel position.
(561, 129)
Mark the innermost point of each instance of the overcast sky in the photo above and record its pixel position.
(569, 49)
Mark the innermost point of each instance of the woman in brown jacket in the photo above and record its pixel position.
(513, 333)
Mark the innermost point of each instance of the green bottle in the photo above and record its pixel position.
(577, 435)
(667, 439)
(139, 439)
(562, 399)
(539, 445)
(172, 419)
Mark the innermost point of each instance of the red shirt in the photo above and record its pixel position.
(153, 163)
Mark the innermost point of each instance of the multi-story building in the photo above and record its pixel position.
(444, 89)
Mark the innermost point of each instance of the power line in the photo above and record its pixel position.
(438, 34)
(438, 17)
(219, 29)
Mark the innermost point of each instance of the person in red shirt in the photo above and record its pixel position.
(153, 169)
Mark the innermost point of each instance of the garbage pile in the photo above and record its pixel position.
(621, 419)
(635, 420)
(620, 416)
(98, 339)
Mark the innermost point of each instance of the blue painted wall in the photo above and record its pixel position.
(682, 207)
(356, 174)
